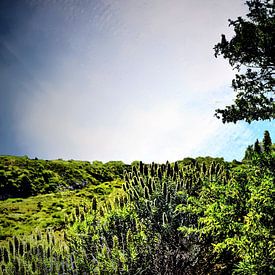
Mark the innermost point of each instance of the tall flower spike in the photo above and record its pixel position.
(141, 167)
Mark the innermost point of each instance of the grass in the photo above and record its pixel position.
(23, 216)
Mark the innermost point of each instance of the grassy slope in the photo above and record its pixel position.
(23, 216)
(47, 208)
(54, 189)
(20, 216)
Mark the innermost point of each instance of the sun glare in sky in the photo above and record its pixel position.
(118, 80)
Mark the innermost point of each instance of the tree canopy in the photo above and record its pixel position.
(251, 51)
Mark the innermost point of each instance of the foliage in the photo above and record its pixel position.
(252, 48)
(36, 254)
(267, 142)
(155, 191)
(138, 232)
(195, 216)
(237, 212)
(262, 154)
(257, 147)
(49, 211)
(24, 177)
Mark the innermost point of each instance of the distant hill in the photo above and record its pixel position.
(24, 177)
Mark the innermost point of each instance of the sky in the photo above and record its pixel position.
(118, 80)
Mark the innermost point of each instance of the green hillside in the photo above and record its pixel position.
(23, 177)
(23, 215)
(193, 216)
(39, 194)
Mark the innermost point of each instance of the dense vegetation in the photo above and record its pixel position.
(41, 193)
(23, 177)
(195, 216)
(22, 215)
(56, 188)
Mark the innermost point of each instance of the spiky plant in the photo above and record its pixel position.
(155, 191)
(134, 232)
(35, 254)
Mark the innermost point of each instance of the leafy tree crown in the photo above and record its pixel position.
(251, 50)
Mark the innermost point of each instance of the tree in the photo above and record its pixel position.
(267, 143)
(252, 52)
(257, 147)
(248, 153)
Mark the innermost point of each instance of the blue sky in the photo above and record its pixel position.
(117, 80)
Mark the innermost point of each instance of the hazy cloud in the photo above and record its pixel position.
(124, 80)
